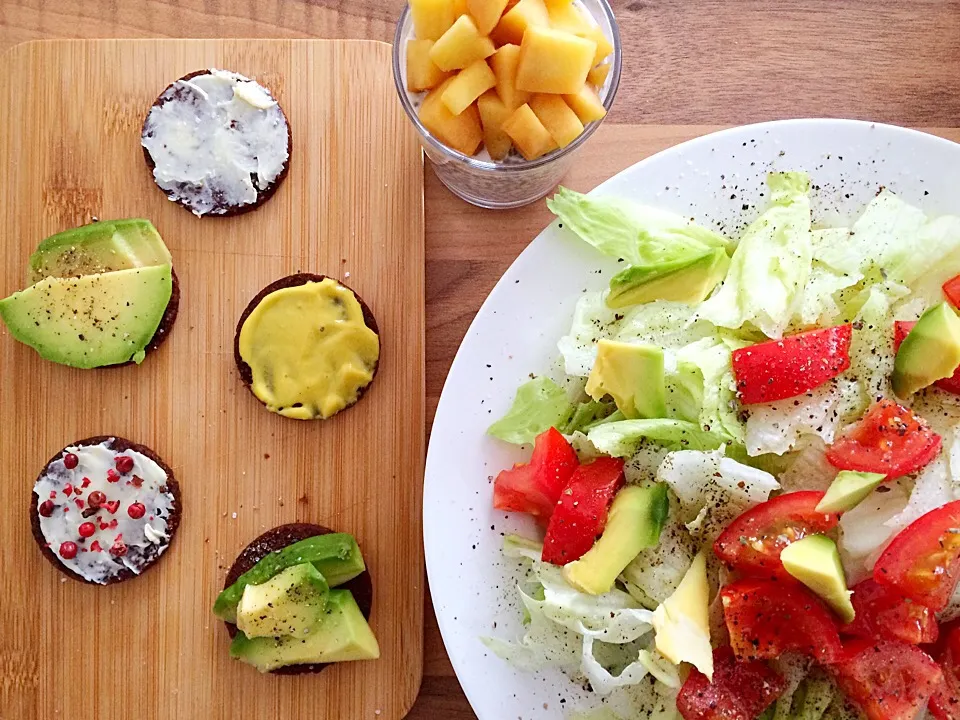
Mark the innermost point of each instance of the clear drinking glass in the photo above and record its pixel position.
(512, 182)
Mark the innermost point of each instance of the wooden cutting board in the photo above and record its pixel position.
(351, 208)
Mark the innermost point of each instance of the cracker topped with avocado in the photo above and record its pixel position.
(102, 294)
(307, 347)
(297, 599)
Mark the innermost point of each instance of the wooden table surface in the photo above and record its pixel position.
(711, 62)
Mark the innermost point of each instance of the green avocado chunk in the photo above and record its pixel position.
(91, 321)
(848, 490)
(689, 280)
(289, 603)
(335, 555)
(100, 247)
(815, 561)
(930, 352)
(637, 516)
(341, 635)
(632, 375)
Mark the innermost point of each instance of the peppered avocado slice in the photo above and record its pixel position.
(848, 490)
(815, 561)
(341, 635)
(100, 247)
(93, 320)
(634, 523)
(632, 375)
(689, 280)
(930, 352)
(335, 555)
(289, 603)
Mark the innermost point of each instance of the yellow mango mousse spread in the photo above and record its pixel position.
(309, 350)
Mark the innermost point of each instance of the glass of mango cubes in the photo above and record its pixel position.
(504, 92)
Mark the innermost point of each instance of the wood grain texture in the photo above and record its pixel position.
(717, 61)
(714, 61)
(351, 208)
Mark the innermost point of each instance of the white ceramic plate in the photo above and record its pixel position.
(714, 179)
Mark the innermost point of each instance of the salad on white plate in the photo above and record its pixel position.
(746, 468)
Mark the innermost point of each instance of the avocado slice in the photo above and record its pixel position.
(341, 635)
(636, 518)
(682, 621)
(632, 375)
(91, 321)
(335, 555)
(815, 561)
(848, 490)
(689, 280)
(100, 247)
(930, 352)
(289, 603)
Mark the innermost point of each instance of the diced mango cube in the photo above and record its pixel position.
(467, 86)
(486, 13)
(461, 132)
(569, 18)
(525, 14)
(461, 45)
(422, 74)
(528, 133)
(505, 68)
(586, 104)
(553, 4)
(460, 8)
(431, 18)
(560, 121)
(493, 114)
(598, 75)
(604, 46)
(553, 61)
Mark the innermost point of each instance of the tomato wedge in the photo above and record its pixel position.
(890, 439)
(581, 512)
(923, 560)
(534, 488)
(951, 288)
(739, 691)
(753, 542)
(888, 680)
(768, 618)
(945, 702)
(780, 369)
(884, 614)
(902, 328)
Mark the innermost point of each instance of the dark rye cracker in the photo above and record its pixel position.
(246, 373)
(120, 445)
(171, 92)
(277, 539)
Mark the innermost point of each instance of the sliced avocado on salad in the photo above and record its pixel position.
(930, 352)
(815, 561)
(635, 520)
(687, 280)
(848, 490)
(777, 385)
(632, 375)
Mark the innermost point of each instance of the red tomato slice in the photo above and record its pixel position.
(890, 439)
(951, 288)
(902, 328)
(785, 368)
(888, 680)
(768, 618)
(945, 702)
(884, 614)
(581, 512)
(739, 691)
(923, 560)
(753, 542)
(535, 487)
